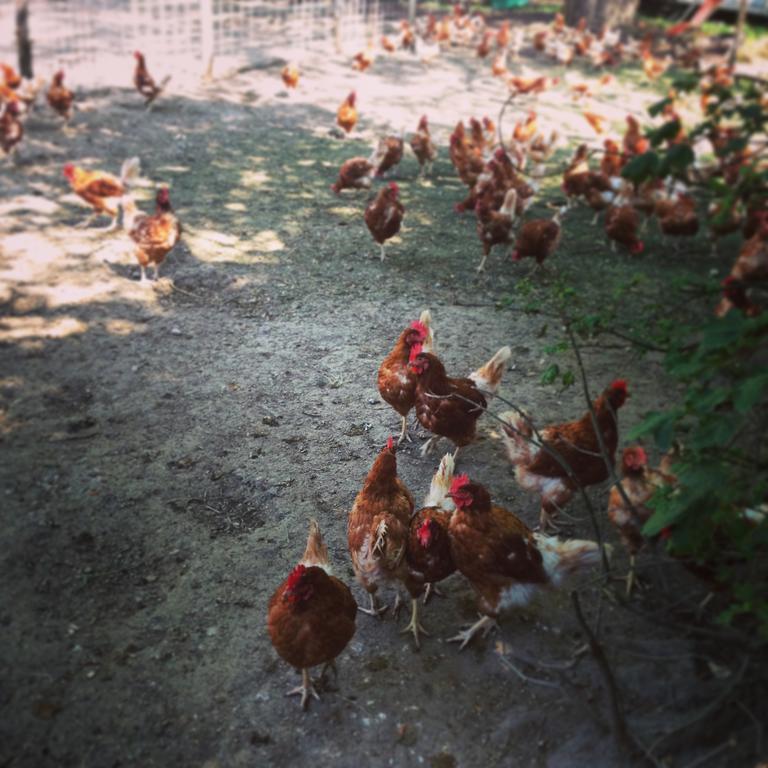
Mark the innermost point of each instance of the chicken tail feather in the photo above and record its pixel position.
(441, 485)
(130, 171)
(316, 552)
(428, 345)
(489, 376)
(563, 558)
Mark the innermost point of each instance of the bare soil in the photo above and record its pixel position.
(164, 447)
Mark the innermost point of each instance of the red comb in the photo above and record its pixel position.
(390, 444)
(619, 385)
(295, 576)
(394, 187)
(417, 325)
(459, 482)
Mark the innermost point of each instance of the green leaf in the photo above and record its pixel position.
(678, 158)
(668, 131)
(569, 379)
(661, 424)
(550, 374)
(749, 392)
(658, 107)
(641, 167)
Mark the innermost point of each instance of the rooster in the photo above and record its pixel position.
(428, 553)
(384, 215)
(639, 483)
(378, 529)
(450, 407)
(11, 129)
(60, 97)
(155, 236)
(346, 114)
(557, 460)
(538, 239)
(100, 190)
(396, 383)
(311, 616)
(495, 227)
(145, 83)
(290, 76)
(387, 155)
(355, 173)
(423, 146)
(505, 561)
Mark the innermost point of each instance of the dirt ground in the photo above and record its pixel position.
(164, 447)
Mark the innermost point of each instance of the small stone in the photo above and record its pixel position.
(176, 331)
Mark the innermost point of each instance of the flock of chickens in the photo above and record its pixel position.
(458, 528)
(156, 234)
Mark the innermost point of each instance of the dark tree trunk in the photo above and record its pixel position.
(23, 43)
(600, 12)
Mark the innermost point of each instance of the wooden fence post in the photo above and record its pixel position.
(23, 43)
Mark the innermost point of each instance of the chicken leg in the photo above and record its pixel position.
(415, 626)
(375, 609)
(404, 432)
(382, 252)
(305, 690)
(429, 590)
(484, 624)
(429, 446)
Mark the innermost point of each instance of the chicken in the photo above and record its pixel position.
(346, 114)
(639, 483)
(556, 460)
(290, 76)
(396, 383)
(505, 561)
(155, 236)
(524, 86)
(469, 163)
(145, 83)
(576, 177)
(11, 129)
(541, 149)
(752, 262)
(10, 76)
(523, 132)
(428, 552)
(450, 407)
(677, 218)
(311, 615)
(499, 64)
(633, 142)
(596, 121)
(612, 161)
(735, 297)
(653, 67)
(503, 36)
(355, 173)
(362, 61)
(387, 155)
(495, 227)
(602, 193)
(407, 36)
(538, 238)
(60, 97)
(100, 190)
(621, 225)
(378, 528)
(384, 215)
(484, 46)
(423, 147)
(426, 52)
(387, 44)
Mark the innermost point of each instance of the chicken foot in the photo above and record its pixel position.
(429, 446)
(305, 690)
(375, 609)
(481, 265)
(415, 625)
(404, 432)
(382, 252)
(431, 589)
(484, 624)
